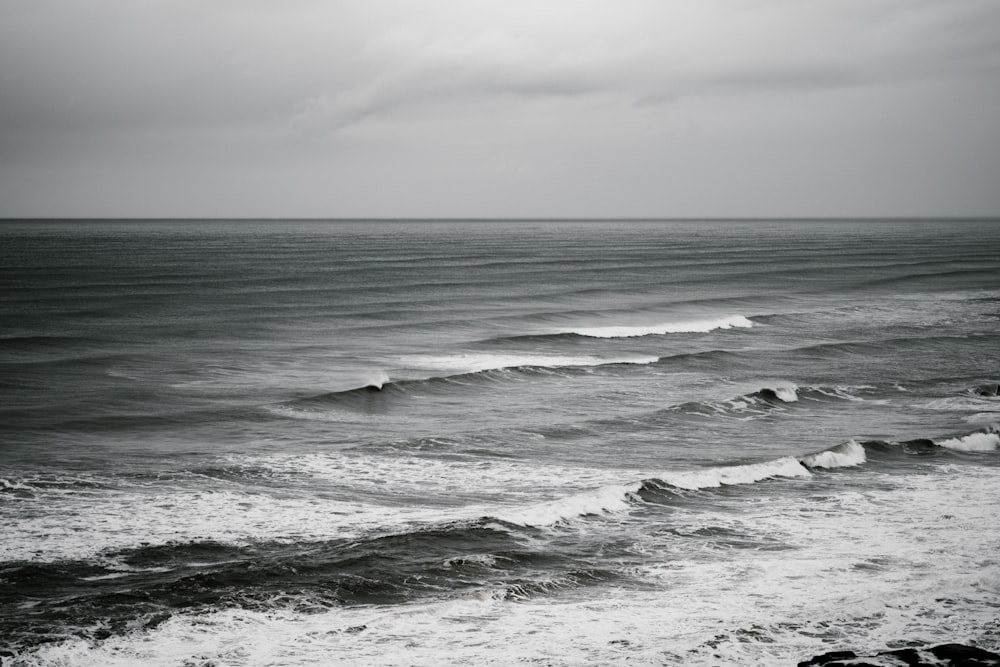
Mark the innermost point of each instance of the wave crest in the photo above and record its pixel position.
(742, 474)
(605, 500)
(974, 442)
(844, 455)
(660, 329)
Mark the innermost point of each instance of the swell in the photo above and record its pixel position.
(385, 390)
(382, 392)
(969, 275)
(838, 350)
(779, 397)
(624, 330)
(79, 417)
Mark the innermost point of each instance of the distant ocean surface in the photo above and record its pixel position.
(496, 443)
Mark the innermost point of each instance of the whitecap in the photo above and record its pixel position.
(377, 379)
(786, 392)
(742, 474)
(605, 500)
(688, 326)
(843, 455)
(476, 363)
(974, 442)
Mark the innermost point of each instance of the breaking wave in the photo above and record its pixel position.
(471, 363)
(606, 500)
(663, 328)
(844, 455)
(974, 442)
(778, 396)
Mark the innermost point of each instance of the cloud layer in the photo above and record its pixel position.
(489, 108)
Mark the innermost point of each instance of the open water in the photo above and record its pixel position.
(496, 443)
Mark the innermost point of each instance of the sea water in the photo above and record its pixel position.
(496, 442)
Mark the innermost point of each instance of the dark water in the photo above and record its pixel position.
(565, 443)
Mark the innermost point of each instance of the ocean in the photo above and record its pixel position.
(493, 442)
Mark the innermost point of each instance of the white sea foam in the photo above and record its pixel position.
(854, 569)
(842, 393)
(982, 418)
(742, 474)
(975, 442)
(844, 455)
(56, 524)
(960, 403)
(483, 560)
(440, 480)
(688, 326)
(59, 529)
(14, 486)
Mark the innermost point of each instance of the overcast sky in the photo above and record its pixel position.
(499, 108)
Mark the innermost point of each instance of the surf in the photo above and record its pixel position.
(660, 328)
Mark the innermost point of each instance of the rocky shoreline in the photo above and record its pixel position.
(944, 655)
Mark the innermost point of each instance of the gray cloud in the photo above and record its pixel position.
(582, 107)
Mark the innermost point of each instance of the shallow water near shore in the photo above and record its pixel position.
(496, 442)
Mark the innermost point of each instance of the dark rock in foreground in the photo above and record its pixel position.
(945, 655)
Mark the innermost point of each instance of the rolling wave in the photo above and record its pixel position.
(465, 369)
(470, 363)
(844, 455)
(767, 400)
(618, 499)
(492, 368)
(660, 329)
(974, 442)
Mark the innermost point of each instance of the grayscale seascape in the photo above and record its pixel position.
(505, 333)
(496, 442)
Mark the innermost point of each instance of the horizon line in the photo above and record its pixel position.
(929, 218)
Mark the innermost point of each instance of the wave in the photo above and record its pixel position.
(471, 363)
(983, 440)
(606, 500)
(749, 473)
(660, 489)
(472, 369)
(662, 328)
(974, 442)
(783, 393)
(466, 368)
(844, 455)
(621, 499)
(765, 401)
(505, 554)
(142, 586)
(877, 347)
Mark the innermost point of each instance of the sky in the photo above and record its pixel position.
(499, 108)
